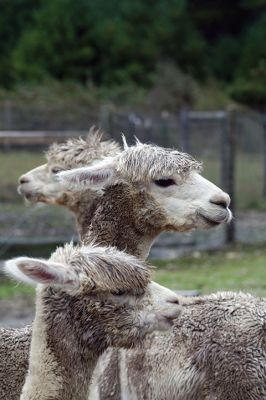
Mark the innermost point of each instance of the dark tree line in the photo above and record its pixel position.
(119, 41)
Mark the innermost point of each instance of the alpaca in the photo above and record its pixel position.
(166, 194)
(88, 298)
(142, 169)
(217, 351)
(163, 192)
(14, 356)
(41, 185)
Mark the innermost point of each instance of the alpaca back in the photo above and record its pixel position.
(216, 351)
(14, 354)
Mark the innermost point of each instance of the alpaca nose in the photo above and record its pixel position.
(222, 200)
(23, 179)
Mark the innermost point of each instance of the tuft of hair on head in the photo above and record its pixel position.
(137, 141)
(78, 151)
(145, 162)
(95, 134)
(109, 269)
(125, 145)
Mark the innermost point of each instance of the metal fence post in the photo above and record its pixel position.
(228, 158)
(7, 115)
(264, 154)
(184, 130)
(104, 118)
(164, 129)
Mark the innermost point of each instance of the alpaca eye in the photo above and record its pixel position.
(164, 182)
(118, 292)
(55, 170)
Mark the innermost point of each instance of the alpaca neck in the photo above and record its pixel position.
(59, 366)
(83, 207)
(126, 218)
(84, 211)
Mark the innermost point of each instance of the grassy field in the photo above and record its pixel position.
(10, 288)
(241, 268)
(249, 181)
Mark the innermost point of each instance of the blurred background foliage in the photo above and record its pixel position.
(124, 49)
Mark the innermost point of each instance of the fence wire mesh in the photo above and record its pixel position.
(204, 135)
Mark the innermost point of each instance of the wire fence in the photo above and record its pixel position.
(231, 144)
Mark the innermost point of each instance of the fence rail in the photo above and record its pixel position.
(225, 134)
(29, 138)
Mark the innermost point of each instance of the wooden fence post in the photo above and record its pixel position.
(228, 158)
(184, 130)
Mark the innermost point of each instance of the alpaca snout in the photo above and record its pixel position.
(221, 199)
(23, 179)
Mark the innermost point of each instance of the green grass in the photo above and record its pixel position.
(241, 268)
(10, 288)
(237, 269)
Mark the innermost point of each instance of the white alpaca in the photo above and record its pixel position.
(144, 191)
(161, 188)
(89, 298)
(41, 185)
(151, 190)
(196, 361)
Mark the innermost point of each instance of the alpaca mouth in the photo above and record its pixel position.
(29, 196)
(216, 220)
(210, 222)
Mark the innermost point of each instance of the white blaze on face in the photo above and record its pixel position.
(192, 202)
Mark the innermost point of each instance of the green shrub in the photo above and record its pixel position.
(251, 89)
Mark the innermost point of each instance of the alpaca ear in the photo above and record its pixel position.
(34, 270)
(94, 177)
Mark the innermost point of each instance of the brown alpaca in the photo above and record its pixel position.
(89, 298)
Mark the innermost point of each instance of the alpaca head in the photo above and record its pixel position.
(174, 194)
(40, 184)
(103, 289)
